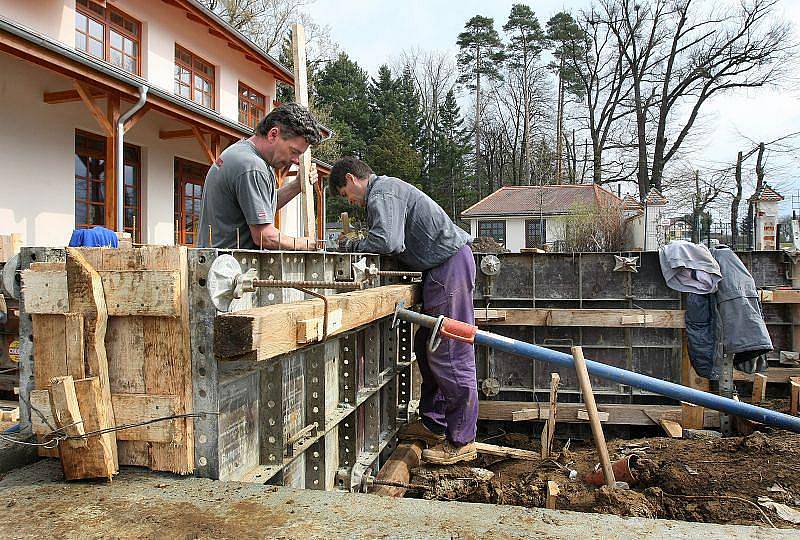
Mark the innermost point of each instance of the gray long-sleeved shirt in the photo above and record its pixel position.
(404, 222)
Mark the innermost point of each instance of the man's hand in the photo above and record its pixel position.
(313, 175)
(305, 243)
(344, 242)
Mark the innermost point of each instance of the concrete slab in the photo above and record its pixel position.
(36, 503)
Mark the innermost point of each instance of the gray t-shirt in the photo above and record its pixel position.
(240, 190)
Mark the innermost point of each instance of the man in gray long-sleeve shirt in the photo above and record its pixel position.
(406, 223)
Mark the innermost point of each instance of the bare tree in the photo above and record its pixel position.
(683, 52)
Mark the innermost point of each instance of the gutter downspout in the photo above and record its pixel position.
(121, 162)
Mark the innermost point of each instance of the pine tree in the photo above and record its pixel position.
(390, 153)
(342, 89)
(480, 55)
(452, 188)
(526, 40)
(384, 100)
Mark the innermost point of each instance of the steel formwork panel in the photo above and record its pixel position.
(587, 280)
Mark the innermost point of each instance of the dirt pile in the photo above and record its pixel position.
(712, 481)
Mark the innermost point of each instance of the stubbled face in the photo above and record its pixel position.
(284, 151)
(353, 191)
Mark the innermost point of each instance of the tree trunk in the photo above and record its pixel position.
(737, 199)
(751, 204)
(478, 125)
(560, 121)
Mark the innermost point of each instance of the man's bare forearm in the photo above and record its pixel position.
(288, 191)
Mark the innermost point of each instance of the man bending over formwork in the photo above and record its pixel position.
(406, 223)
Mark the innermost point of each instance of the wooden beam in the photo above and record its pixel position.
(176, 134)
(607, 318)
(132, 121)
(216, 149)
(128, 409)
(691, 416)
(549, 429)
(506, 452)
(65, 410)
(85, 94)
(203, 144)
(99, 460)
(69, 96)
(86, 297)
(112, 159)
(272, 330)
(774, 375)
(127, 292)
(301, 97)
(780, 296)
(759, 387)
(618, 414)
(672, 428)
(398, 467)
(73, 340)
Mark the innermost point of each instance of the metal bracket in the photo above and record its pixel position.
(400, 305)
(436, 337)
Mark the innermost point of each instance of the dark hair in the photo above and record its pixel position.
(294, 121)
(351, 165)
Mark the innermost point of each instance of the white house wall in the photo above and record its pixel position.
(37, 198)
(53, 18)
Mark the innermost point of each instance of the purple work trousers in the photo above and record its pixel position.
(449, 382)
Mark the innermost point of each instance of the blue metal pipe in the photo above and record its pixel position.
(623, 376)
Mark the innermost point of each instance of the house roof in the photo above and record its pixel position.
(655, 198)
(766, 193)
(629, 202)
(548, 199)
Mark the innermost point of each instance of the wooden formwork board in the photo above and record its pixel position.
(141, 356)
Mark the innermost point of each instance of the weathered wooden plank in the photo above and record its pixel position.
(672, 428)
(504, 451)
(622, 414)
(49, 349)
(127, 292)
(99, 459)
(794, 394)
(611, 318)
(125, 350)
(87, 297)
(759, 387)
(549, 429)
(774, 375)
(780, 296)
(168, 368)
(45, 292)
(552, 495)
(272, 330)
(66, 411)
(398, 468)
(129, 409)
(74, 351)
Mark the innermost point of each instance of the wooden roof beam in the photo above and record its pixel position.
(68, 96)
(175, 134)
(130, 122)
(85, 93)
(203, 144)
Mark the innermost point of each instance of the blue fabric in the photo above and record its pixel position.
(94, 237)
(701, 333)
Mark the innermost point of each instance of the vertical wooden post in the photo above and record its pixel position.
(552, 494)
(594, 418)
(691, 416)
(216, 148)
(759, 387)
(794, 396)
(112, 115)
(301, 97)
(549, 430)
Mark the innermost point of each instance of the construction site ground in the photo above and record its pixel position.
(716, 480)
(37, 503)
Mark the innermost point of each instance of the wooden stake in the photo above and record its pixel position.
(691, 416)
(759, 387)
(398, 468)
(794, 388)
(549, 430)
(594, 419)
(552, 494)
(301, 97)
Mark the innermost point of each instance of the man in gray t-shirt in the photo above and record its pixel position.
(240, 194)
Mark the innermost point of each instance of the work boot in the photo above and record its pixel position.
(419, 431)
(447, 453)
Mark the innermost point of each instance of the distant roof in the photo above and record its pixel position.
(629, 202)
(549, 199)
(654, 197)
(766, 193)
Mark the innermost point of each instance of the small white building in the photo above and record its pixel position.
(526, 217)
(71, 68)
(766, 201)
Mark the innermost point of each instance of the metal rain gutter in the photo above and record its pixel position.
(120, 164)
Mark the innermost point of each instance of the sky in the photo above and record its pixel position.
(375, 32)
